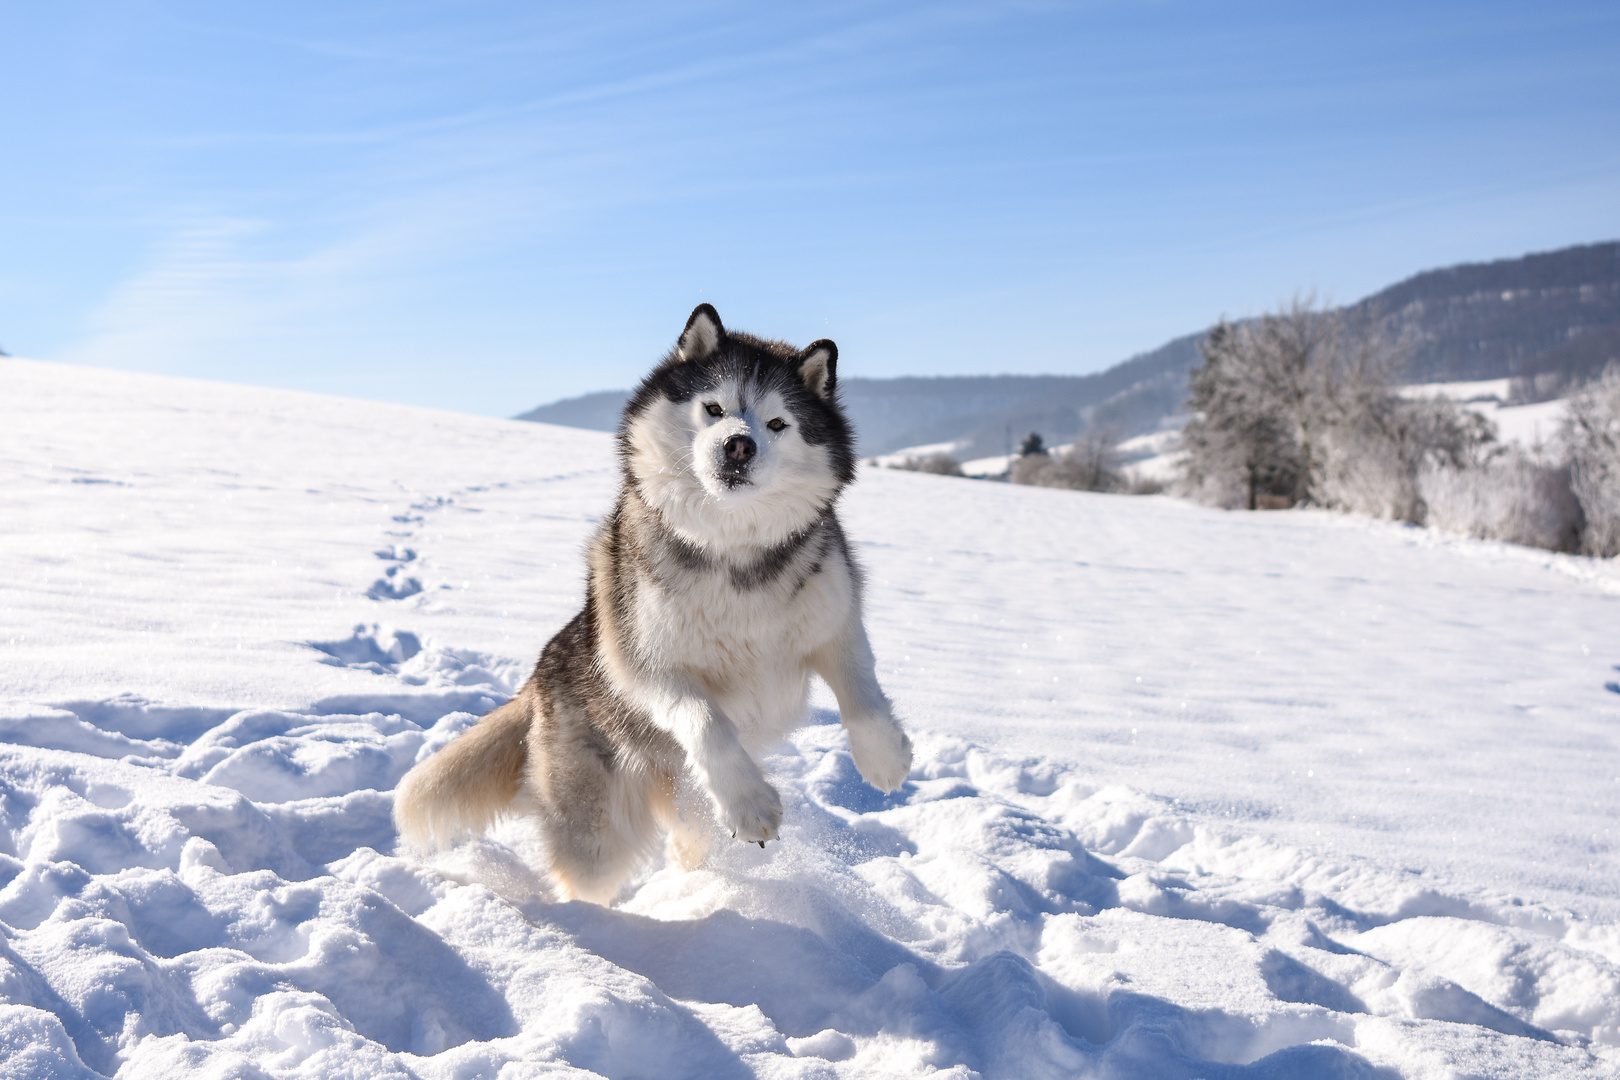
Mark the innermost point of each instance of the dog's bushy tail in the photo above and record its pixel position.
(463, 788)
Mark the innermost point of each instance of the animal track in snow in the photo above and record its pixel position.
(399, 653)
(378, 650)
(387, 588)
(394, 585)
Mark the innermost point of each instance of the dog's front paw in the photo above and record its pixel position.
(751, 811)
(882, 753)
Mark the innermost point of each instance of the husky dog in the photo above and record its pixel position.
(720, 581)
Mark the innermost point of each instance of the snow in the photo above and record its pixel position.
(985, 467)
(1196, 793)
(1531, 427)
(900, 458)
(1153, 444)
(1475, 390)
(1156, 456)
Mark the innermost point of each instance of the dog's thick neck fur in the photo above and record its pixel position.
(801, 554)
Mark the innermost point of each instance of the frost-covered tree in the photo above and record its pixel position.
(1271, 392)
(1303, 403)
(1380, 444)
(1094, 460)
(1238, 430)
(1591, 435)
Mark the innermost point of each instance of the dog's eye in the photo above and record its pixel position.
(777, 425)
(713, 409)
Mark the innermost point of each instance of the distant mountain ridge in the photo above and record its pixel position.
(1552, 313)
(597, 411)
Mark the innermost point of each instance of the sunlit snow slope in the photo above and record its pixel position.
(1197, 794)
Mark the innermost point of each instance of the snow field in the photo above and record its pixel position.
(213, 682)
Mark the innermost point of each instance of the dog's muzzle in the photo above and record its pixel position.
(735, 456)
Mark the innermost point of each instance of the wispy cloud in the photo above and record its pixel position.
(200, 288)
(219, 291)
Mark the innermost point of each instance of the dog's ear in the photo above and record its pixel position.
(818, 367)
(703, 334)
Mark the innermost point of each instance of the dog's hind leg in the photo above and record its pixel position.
(688, 826)
(599, 820)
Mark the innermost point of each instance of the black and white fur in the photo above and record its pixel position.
(719, 582)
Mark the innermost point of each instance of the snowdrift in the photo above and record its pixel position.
(1196, 794)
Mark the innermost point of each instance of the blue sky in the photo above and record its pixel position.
(484, 206)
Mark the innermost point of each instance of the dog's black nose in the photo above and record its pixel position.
(740, 448)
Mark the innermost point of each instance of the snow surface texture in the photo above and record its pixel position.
(1196, 793)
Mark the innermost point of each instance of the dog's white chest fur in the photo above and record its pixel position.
(748, 648)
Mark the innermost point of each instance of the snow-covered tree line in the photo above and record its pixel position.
(1302, 406)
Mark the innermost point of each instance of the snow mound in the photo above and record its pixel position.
(238, 903)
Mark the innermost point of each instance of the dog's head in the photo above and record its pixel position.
(735, 439)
